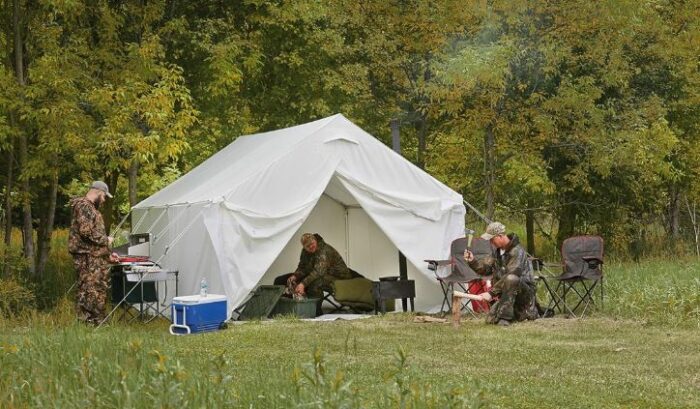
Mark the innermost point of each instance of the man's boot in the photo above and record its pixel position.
(503, 323)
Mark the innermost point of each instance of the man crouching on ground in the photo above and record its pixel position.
(513, 282)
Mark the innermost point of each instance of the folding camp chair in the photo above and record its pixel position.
(460, 274)
(542, 274)
(582, 264)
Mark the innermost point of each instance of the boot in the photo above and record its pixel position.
(503, 323)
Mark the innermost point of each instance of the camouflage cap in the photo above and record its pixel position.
(494, 229)
(306, 238)
(100, 185)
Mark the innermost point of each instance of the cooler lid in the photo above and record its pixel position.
(198, 299)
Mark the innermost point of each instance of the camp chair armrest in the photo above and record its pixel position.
(593, 262)
(552, 264)
(434, 264)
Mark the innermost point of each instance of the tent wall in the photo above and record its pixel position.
(192, 255)
(349, 229)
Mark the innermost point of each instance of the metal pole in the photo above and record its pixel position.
(396, 146)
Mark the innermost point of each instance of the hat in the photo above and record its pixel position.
(306, 238)
(100, 185)
(493, 229)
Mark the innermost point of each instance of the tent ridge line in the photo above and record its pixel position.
(165, 206)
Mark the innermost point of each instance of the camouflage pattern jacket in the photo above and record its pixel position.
(87, 231)
(512, 261)
(325, 263)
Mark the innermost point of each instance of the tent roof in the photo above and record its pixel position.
(350, 152)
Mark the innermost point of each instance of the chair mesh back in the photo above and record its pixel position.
(461, 268)
(574, 252)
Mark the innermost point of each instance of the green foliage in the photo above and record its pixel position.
(15, 298)
(585, 113)
(315, 386)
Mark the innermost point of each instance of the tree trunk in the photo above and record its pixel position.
(47, 226)
(567, 223)
(133, 176)
(8, 211)
(27, 230)
(19, 51)
(422, 131)
(530, 230)
(108, 207)
(693, 215)
(674, 212)
(489, 170)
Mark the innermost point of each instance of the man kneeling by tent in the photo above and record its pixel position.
(513, 282)
(319, 266)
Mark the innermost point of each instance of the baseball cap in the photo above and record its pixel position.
(100, 185)
(306, 238)
(493, 229)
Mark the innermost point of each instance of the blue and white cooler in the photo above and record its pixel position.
(195, 313)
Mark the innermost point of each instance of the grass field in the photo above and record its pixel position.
(641, 351)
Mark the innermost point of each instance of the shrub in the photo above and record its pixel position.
(15, 298)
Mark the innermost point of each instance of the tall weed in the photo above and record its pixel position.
(657, 292)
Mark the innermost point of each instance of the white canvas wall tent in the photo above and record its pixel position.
(236, 219)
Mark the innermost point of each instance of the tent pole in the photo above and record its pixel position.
(478, 213)
(347, 235)
(395, 125)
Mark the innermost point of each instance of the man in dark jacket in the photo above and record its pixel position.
(513, 282)
(319, 266)
(89, 244)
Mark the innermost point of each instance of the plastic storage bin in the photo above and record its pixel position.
(194, 313)
(301, 308)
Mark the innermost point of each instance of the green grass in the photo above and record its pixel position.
(641, 350)
(547, 363)
(655, 292)
(660, 292)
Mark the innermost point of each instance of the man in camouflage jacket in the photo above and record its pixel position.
(89, 244)
(513, 281)
(319, 266)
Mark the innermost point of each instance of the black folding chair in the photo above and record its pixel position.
(582, 264)
(458, 271)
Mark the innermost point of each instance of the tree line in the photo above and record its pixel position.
(577, 116)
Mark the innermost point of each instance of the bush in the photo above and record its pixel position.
(15, 298)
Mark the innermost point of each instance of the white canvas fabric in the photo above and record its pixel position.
(238, 212)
